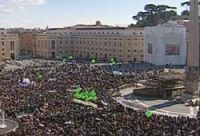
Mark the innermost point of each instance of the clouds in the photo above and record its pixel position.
(8, 6)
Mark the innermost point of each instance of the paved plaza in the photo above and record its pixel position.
(10, 126)
(160, 106)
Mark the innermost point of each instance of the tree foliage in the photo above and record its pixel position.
(186, 12)
(154, 14)
(187, 3)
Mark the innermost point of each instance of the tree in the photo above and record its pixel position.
(185, 13)
(154, 15)
(187, 3)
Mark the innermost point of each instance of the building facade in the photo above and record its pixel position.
(27, 43)
(165, 44)
(92, 41)
(9, 45)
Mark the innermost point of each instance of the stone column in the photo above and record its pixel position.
(193, 55)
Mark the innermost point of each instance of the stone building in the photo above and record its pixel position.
(9, 48)
(92, 41)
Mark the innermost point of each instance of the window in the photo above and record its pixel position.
(128, 50)
(150, 48)
(12, 45)
(53, 44)
(2, 43)
(53, 54)
(2, 54)
(135, 50)
(12, 56)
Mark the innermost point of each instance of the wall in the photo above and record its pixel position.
(160, 36)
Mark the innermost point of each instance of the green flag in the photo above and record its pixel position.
(40, 76)
(112, 61)
(93, 61)
(64, 60)
(70, 57)
(83, 96)
(149, 114)
(77, 95)
(86, 96)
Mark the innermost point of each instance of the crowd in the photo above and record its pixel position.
(46, 108)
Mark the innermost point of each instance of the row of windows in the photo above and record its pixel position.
(97, 54)
(134, 33)
(112, 39)
(95, 43)
(12, 45)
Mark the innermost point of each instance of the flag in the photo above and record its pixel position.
(64, 60)
(86, 96)
(93, 61)
(40, 76)
(149, 114)
(70, 57)
(112, 61)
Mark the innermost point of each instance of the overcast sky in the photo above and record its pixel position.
(60, 13)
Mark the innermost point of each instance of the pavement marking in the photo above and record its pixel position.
(122, 101)
(191, 110)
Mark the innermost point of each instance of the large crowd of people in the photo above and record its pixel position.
(46, 107)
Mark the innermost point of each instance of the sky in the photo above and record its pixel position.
(62, 13)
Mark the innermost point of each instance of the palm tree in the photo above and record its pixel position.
(187, 3)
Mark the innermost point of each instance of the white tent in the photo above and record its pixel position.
(25, 82)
